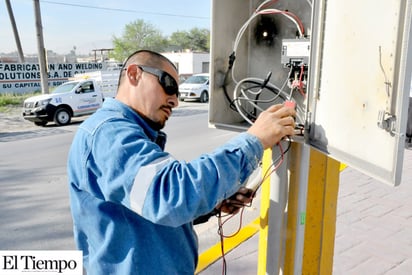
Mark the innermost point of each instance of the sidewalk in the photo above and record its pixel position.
(373, 229)
(374, 224)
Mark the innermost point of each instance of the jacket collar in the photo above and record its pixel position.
(132, 115)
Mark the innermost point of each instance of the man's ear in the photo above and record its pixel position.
(134, 73)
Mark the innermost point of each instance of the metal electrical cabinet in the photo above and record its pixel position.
(344, 63)
(256, 45)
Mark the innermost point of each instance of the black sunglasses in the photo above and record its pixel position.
(167, 82)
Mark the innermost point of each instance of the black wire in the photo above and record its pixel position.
(128, 10)
(249, 115)
(264, 84)
(259, 85)
(289, 145)
(232, 58)
(232, 105)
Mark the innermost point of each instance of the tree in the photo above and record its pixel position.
(180, 40)
(138, 35)
(196, 40)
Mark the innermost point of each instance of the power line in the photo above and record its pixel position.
(123, 10)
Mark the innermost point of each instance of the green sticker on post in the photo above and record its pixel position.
(302, 218)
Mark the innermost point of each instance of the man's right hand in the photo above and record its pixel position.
(273, 124)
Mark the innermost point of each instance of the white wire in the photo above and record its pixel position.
(286, 81)
(246, 24)
(236, 44)
(238, 100)
(264, 3)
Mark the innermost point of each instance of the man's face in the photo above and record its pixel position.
(152, 102)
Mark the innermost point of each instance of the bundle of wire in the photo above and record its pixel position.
(271, 169)
(248, 92)
(247, 96)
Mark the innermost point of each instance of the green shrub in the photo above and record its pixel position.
(13, 99)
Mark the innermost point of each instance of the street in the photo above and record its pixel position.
(34, 195)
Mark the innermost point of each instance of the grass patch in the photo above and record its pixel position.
(14, 99)
(8, 101)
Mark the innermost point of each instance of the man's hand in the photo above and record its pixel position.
(233, 204)
(273, 124)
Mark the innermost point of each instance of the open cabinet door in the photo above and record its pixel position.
(360, 76)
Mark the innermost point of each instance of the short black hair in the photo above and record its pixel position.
(157, 56)
(153, 59)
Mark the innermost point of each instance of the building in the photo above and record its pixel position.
(189, 63)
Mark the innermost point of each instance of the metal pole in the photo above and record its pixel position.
(303, 176)
(15, 31)
(277, 217)
(40, 48)
(283, 232)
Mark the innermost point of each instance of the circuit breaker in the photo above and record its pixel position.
(349, 77)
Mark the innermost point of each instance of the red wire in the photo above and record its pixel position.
(300, 81)
(302, 28)
(239, 226)
(222, 246)
(221, 223)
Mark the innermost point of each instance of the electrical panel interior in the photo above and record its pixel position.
(260, 55)
(346, 64)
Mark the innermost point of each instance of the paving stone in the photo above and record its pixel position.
(403, 268)
(374, 224)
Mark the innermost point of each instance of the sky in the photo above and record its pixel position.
(88, 25)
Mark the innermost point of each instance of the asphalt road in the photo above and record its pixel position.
(34, 201)
(34, 196)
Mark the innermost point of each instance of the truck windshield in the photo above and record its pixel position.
(64, 88)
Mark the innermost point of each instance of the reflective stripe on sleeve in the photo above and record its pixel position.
(143, 180)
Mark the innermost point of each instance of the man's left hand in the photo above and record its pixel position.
(233, 204)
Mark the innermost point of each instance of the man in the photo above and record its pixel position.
(133, 204)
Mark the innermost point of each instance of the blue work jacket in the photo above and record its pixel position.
(133, 204)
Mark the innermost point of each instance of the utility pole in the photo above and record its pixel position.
(40, 48)
(15, 32)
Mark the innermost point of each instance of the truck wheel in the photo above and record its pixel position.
(204, 97)
(40, 123)
(62, 116)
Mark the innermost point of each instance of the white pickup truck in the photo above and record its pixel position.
(71, 99)
(83, 95)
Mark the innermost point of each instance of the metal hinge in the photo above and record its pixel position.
(386, 121)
